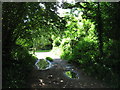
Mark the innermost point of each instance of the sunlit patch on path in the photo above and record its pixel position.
(43, 55)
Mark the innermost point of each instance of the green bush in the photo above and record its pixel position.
(56, 42)
(20, 64)
(83, 52)
(49, 58)
(66, 49)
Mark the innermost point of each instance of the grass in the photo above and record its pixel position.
(43, 51)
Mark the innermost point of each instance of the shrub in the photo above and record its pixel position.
(49, 58)
(56, 42)
(66, 49)
(20, 64)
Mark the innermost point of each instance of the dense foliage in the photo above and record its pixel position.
(88, 35)
(25, 26)
(94, 44)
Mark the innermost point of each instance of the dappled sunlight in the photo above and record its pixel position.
(72, 74)
(41, 83)
(43, 55)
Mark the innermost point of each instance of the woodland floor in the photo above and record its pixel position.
(55, 77)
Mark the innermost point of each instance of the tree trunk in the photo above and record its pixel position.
(99, 29)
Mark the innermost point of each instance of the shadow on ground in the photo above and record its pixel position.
(55, 77)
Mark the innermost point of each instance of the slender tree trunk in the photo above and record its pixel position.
(99, 29)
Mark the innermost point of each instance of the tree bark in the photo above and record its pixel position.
(99, 29)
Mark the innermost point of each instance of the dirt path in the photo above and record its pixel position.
(55, 78)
